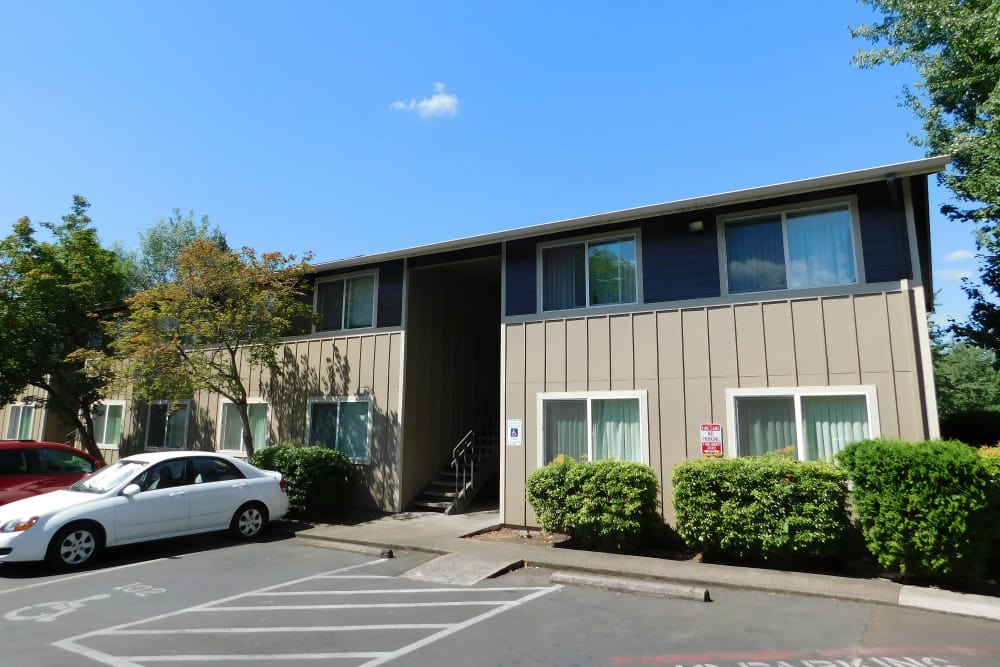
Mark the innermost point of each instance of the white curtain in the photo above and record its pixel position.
(114, 415)
(832, 423)
(820, 249)
(615, 429)
(564, 277)
(19, 426)
(232, 428)
(765, 424)
(565, 427)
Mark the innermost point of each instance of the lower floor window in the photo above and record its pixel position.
(231, 437)
(107, 420)
(166, 425)
(19, 426)
(593, 427)
(343, 424)
(808, 426)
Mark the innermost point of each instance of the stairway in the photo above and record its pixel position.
(474, 463)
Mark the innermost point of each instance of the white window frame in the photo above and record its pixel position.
(850, 201)
(220, 427)
(100, 440)
(187, 424)
(19, 409)
(344, 277)
(797, 394)
(341, 399)
(590, 396)
(585, 241)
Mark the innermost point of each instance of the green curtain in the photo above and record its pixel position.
(765, 424)
(257, 413)
(565, 428)
(176, 429)
(352, 430)
(615, 429)
(832, 423)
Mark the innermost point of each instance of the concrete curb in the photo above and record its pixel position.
(630, 585)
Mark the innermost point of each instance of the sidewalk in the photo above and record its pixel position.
(440, 534)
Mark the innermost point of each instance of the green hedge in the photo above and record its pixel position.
(924, 507)
(601, 504)
(317, 478)
(769, 508)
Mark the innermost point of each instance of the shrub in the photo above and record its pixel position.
(923, 507)
(769, 508)
(317, 478)
(601, 504)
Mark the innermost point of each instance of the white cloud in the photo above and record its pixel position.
(438, 104)
(953, 274)
(959, 255)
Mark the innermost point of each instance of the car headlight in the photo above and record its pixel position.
(18, 525)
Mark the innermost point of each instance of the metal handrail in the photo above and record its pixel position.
(463, 460)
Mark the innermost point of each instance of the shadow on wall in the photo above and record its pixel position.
(375, 483)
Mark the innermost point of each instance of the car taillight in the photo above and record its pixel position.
(281, 482)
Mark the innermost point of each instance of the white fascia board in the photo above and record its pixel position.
(920, 167)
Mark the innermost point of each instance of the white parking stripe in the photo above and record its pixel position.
(459, 626)
(61, 580)
(384, 605)
(290, 628)
(385, 591)
(373, 657)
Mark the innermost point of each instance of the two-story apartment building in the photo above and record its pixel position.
(793, 316)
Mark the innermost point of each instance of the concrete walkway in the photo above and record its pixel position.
(440, 534)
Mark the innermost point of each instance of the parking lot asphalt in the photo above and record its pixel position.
(435, 533)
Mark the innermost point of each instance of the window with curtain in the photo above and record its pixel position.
(589, 273)
(20, 421)
(231, 434)
(803, 426)
(592, 428)
(341, 424)
(791, 250)
(346, 303)
(166, 425)
(107, 420)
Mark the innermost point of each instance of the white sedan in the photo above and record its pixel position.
(143, 497)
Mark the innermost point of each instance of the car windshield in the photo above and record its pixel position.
(108, 478)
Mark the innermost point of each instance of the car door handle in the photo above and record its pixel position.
(175, 493)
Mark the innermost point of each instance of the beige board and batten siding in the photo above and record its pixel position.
(685, 359)
(365, 366)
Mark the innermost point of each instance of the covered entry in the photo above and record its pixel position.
(452, 380)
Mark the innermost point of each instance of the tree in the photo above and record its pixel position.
(155, 261)
(55, 296)
(954, 45)
(222, 309)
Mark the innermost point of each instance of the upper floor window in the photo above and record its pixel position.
(795, 249)
(107, 418)
(166, 424)
(594, 272)
(346, 303)
(20, 420)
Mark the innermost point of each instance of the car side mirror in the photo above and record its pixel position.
(130, 490)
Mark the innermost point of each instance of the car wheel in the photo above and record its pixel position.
(248, 521)
(74, 545)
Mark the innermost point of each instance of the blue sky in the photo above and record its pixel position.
(351, 128)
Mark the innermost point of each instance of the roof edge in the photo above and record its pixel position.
(923, 166)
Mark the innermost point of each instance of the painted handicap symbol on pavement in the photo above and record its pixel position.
(50, 611)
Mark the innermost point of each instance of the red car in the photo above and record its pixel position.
(29, 467)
